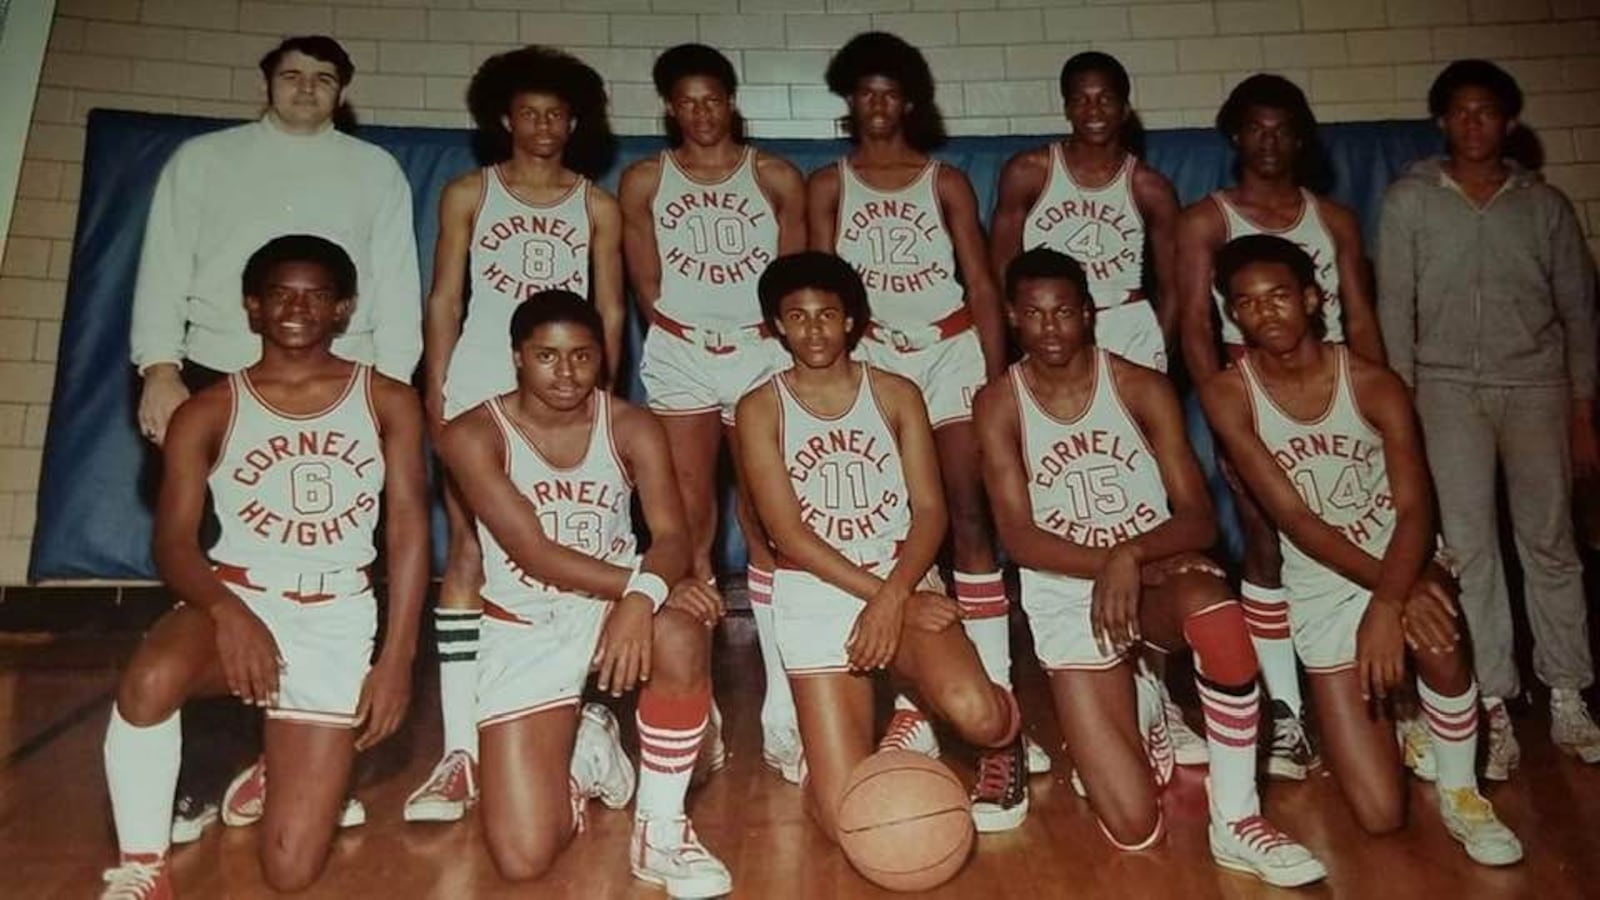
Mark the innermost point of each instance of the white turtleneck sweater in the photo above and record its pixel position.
(224, 194)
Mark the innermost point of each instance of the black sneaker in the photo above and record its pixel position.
(1000, 796)
(190, 818)
(1289, 752)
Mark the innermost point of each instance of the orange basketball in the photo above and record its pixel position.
(905, 821)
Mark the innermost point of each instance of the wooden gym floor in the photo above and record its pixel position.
(55, 833)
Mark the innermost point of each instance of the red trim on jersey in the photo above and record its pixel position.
(506, 186)
(672, 159)
(372, 404)
(598, 398)
(686, 332)
(958, 322)
(235, 575)
(1307, 200)
(355, 376)
(493, 610)
(611, 436)
(1052, 148)
(1116, 396)
(227, 432)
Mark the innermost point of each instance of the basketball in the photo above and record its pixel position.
(905, 821)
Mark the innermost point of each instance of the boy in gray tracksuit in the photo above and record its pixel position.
(1486, 303)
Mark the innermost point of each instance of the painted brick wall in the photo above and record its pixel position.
(996, 61)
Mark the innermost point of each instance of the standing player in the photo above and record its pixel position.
(551, 470)
(1274, 135)
(1090, 197)
(1489, 313)
(531, 221)
(910, 227)
(296, 452)
(1099, 499)
(701, 220)
(1328, 442)
(857, 525)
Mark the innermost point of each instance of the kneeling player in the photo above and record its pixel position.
(857, 524)
(1328, 442)
(1100, 501)
(296, 452)
(550, 471)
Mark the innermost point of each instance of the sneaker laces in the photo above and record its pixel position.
(995, 772)
(1258, 834)
(902, 727)
(1288, 733)
(1470, 805)
(451, 773)
(131, 880)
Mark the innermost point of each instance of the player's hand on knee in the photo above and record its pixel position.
(876, 635)
(250, 658)
(623, 658)
(385, 695)
(932, 612)
(1430, 613)
(1114, 601)
(1380, 649)
(697, 598)
(162, 394)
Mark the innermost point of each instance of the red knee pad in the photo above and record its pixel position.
(1223, 653)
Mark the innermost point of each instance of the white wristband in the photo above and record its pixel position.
(650, 585)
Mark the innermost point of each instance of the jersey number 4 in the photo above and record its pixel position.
(1085, 242)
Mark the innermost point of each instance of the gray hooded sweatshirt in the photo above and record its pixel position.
(1500, 296)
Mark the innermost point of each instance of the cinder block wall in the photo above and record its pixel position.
(996, 61)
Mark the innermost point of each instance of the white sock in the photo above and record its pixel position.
(670, 732)
(777, 706)
(1453, 722)
(456, 631)
(1232, 721)
(1266, 613)
(901, 701)
(142, 774)
(985, 618)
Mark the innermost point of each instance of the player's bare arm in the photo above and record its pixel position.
(246, 650)
(386, 694)
(473, 450)
(605, 259)
(446, 305)
(822, 208)
(960, 206)
(1005, 480)
(1227, 408)
(1355, 281)
(1158, 206)
(1153, 403)
(760, 446)
(1021, 182)
(634, 195)
(1200, 232)
(785, 189)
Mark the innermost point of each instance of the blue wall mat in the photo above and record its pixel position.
(92, 522)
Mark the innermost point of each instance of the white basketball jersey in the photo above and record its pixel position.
(1099, 227)
(1308, 233)
(1336, 463)
(298, 493)
(1091, 480)
(897, 240)
(585, 507)
(714, 240)
(519, 249)
(847, 474)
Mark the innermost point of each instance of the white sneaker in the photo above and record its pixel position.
(354, 813)
(1077, 785)
(191, 818)
(713, 750)
(1503, 753)
(1571, 727)
(451, 788)
(781, 752)
(135, 880)
(1188, 748)
(910, 730)
(1416, 747)
(600, 767)
(1153, 722)
(1471, 820)
(1039, 761)
(1256, 846)
(1000, 794)
(667, 853)
(245, 800)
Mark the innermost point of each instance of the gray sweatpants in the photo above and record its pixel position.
(1468, 428)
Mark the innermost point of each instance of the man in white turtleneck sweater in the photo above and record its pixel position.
(226, 193)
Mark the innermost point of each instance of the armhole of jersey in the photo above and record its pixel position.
(371, 401)
(938, 207)
(1044, 192)
(838, 203)
(1227, 221)
(607, 411)
(233, 416)
(502, 428)
(752, 160)
(662, 161)
(1349, 387)
(777, 390)
(1130, 168)
(871, 390)
(1122, 405)
(486, 172)
(1247, 378)
(1014, 376)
